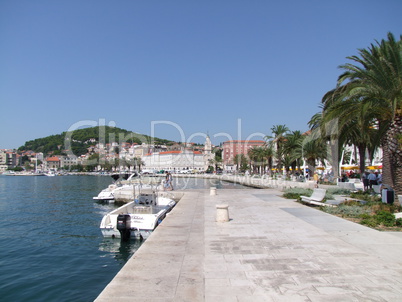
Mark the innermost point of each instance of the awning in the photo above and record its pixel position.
(374, 167)
(349, 167)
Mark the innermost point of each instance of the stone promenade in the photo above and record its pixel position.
(272, 249)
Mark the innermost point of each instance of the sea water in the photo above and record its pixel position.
(51, 247)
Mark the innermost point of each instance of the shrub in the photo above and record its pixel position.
(369, 220)
(295, 193)
(379, 206)
(366, 196)
(354, 211)
(338, 191)
(385, 218)
(398, 222)
(351, 202)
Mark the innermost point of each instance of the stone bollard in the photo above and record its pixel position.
(222, 213)
(212, 191)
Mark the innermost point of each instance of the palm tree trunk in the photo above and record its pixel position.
(362, 160)
(333, 157)
(392, 155)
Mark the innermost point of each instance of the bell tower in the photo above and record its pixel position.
(208, 155)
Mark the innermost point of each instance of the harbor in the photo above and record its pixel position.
(52, 247)
(271, 249)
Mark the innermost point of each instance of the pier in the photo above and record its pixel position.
(271, 249)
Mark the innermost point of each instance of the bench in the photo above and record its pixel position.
(316, 198)
(347, 185)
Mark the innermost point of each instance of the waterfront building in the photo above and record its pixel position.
(235, 147)
(3, 161)
(180, 157)
(52, 163)
(67, 162)
(11, 159)
(39, 156)
(174, 160)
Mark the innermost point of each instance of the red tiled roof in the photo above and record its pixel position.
(173, 152)
(244, 141)
(170, 152)
(53, 158)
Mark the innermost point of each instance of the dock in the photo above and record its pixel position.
(271, 249)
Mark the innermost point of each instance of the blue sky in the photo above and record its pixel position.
(177, 69)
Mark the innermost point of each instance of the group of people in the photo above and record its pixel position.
(370, 179)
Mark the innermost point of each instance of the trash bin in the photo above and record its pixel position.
(388, 196)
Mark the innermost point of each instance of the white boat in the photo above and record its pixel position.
(51, 173)
(129, 190)
(12, 173)
(138, 218)
(108, 193)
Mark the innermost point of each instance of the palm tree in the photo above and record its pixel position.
(137, 162)
(237, 161)
(356, 125)
(215, 162)
(292, 149)
(269, 155)
(314, 150)
(244, 163)
(259, 158)
(375, 78)
(277, 141)
(328, 131)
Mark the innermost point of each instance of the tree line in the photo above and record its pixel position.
(364, 110)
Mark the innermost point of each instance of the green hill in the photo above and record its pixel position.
(81, 139)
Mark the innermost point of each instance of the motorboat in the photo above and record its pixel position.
(138, 218)
(107, 194)
(51, 173)
(126, 187)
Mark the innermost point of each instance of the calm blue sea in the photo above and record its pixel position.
(51, 248)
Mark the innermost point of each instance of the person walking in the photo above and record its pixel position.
(316, 178)
(372, 179)
(168, 182)
(379, 178)
(366, 181)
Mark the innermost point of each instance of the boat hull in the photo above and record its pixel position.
(105, 195)
(143, 219)
(141, 234)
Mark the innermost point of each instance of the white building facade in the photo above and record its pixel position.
(174, 161)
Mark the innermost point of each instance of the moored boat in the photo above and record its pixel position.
(126, 187)
(138, 218)
(23, 174)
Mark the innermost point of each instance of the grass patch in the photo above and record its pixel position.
(366, 196)
(376, 215)
(295, 193)
(347, 210)
(373, 213)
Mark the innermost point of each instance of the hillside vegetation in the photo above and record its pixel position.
(81, 139)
